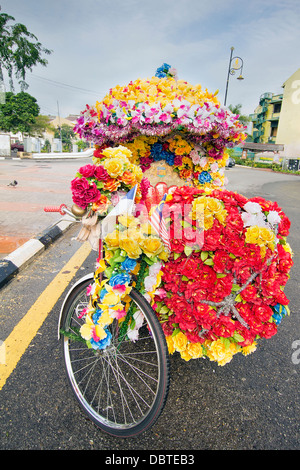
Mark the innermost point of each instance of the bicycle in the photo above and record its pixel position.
(124, 387)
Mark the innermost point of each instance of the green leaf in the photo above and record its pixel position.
(164, 309)
(185, 224)
(209, 262)
(204, 255)
(238, 298)
(235, 287)
(176, 256)
(238, 338)
(188, 250)
(226, 342)
(220, 275)
(184, 278)
(175, 332)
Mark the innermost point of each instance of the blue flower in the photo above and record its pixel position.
(204, 177)
(280, 312)
(121, 278)
(103, 343)
(97, 315)
(129, 264)
(162, 71)
(156, 151)
(102, 294)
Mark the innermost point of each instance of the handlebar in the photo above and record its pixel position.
(62, 209)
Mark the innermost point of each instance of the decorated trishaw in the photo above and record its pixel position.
(209, 265)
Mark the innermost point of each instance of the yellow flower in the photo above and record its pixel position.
(110, 299)
(128, 220)
(170, 344)
(252, 234)
(266, 235)
(217, 351)
(151, 246)
(112, 239)
(249, 349)
(214, 205)
(164, 255)
(180, 341)
(131, 247)
(105, 319)
(114, 167)
(100, 332)
(195, 350)
(185, 355)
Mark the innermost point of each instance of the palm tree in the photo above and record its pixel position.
(237, 110)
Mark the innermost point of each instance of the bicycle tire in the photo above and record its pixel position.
(122, 395)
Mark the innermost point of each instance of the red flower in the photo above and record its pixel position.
(101, 173)
(224, 327)
(222, 261)
(87, 171)
(205, 315)
(250, 293)
(268, 330)
(84, 193)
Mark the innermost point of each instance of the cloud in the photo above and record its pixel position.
(100, 43)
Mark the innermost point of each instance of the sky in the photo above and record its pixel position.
(98, 44)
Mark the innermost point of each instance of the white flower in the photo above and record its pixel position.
(252, 207)
(154, 269)
(149, 283)
(273, 218)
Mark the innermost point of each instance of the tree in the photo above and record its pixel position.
(18, 113)
(40, 125)
(237, 110)
(20, 50)
(66, 133)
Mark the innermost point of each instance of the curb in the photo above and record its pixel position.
(22, 256)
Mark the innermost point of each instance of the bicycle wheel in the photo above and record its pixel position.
(124, 387)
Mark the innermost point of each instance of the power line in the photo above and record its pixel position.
(54, 82)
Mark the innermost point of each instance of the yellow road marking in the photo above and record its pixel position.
(19, 339)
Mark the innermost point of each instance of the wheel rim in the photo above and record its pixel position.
(118, 386)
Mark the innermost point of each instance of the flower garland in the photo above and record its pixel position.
(223, 291)
(131, 250)
(159, 106)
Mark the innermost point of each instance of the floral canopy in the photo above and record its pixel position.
(163, 118)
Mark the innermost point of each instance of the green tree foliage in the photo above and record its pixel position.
(67, 135)
(18, 113)
(20, 50)
(237, 109)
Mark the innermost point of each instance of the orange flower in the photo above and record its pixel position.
(128, 178)
(101, 204)
(111, 185)
(185, 173)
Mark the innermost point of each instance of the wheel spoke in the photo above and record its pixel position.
(119, 386)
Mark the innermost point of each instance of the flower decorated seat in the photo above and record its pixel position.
(212, 263)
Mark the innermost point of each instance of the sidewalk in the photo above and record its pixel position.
(25, 229)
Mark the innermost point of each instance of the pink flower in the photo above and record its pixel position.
(84, 193)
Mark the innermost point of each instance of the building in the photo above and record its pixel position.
(276, 120)
(266, 118)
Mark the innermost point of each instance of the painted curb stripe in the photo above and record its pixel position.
(19, 258)
(19, 339)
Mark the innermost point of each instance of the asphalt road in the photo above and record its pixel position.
(250, 404)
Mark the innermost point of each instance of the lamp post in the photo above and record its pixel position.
(232, 69)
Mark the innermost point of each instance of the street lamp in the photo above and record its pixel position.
(232, 69)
